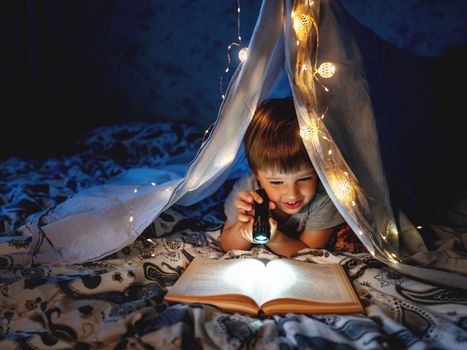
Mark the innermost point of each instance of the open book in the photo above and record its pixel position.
(277, 286)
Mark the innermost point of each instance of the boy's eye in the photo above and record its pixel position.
(275, 182)
(307, 178)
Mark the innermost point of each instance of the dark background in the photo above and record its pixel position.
(67, 66)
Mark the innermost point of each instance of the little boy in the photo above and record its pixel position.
(302, 214)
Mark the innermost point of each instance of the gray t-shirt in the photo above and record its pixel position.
(319, 214)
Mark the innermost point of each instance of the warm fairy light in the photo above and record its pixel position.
(301, 24)
(392, 257)
(239, 37)
(419, 227)
(153, 183)
(135, 190)
(360, 232)
(342, 188)
(243, 54)
(131, 218)
(310, 132)
(326, 70)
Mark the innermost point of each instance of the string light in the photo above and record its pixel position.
(326, 70)
(242, 53)
(301, 25)
(131, 218)
(342, 188)
(310, 132)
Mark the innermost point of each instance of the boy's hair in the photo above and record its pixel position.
(272, 140)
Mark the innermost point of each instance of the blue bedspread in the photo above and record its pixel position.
(117, 302)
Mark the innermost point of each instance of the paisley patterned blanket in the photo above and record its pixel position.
(117, 302)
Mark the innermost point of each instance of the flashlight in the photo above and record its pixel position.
(261, 226)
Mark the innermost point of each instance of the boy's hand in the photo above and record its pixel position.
(246, 214)
(273, 224)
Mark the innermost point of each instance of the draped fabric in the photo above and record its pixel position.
(303, 48)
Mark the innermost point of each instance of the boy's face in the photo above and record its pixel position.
(290, 192)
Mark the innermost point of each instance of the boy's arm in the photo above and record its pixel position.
(317, 238)
(232, 237)
(282, 244)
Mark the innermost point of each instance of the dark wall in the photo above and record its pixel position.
(67, 66)
(75, 64)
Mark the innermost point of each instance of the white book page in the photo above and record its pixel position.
(212, 277)
(295, 279)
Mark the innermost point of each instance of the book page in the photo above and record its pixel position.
(205, 277)
(296, 279)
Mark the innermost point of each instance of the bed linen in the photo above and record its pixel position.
(117, 302)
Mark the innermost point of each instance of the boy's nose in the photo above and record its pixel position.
(292, 191)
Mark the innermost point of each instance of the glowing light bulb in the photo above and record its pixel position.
(342, 188)
(131, 218)
(326, 70)
(310, 132)
(243, 54)
(301, 24)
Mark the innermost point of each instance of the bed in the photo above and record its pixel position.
(117, 302)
